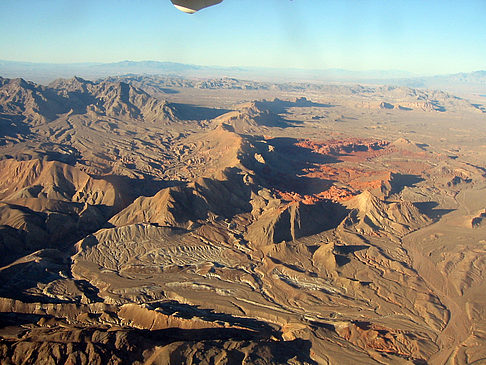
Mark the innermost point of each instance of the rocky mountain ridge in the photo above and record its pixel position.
(42, 104)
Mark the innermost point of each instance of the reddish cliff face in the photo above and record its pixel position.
(341, 176)
(349, 146)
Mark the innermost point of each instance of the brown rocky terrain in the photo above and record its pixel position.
(227, 222)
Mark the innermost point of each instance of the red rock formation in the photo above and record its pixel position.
(343, 147)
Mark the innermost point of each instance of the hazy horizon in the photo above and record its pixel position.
(397, 72)
(422, 38)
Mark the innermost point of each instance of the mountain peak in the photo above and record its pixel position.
(372, 216)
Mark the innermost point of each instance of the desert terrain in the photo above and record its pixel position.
(167, 220)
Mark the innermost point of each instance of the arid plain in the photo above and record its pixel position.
(162, 220)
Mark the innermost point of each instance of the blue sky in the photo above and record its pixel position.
(420, 36)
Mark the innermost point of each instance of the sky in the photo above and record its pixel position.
(419, 36)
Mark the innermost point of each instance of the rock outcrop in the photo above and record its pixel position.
(372, 216)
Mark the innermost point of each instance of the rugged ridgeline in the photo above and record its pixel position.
(135, 230)
(250, 117)
(40, 104)
(164, 83)
(370, 215)
(48, 203)
(402, 98)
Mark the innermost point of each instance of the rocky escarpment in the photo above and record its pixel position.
(370, 215)
(40, 104)
(49, 204)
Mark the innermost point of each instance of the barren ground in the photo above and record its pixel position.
(339, 225)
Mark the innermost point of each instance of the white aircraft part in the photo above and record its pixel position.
(185, 10)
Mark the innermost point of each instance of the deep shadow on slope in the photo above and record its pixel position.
(102, 345)
(45, 267)
(195, 112)
(280, 106)
(400, 181)
(13, 126)
(429, 209)
(285, 165)
(196, 202)
(188, 311)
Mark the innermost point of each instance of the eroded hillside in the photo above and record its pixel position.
(279, 225)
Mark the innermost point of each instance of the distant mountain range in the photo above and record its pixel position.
(460, 82)
(473, 82)
(46, 72)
